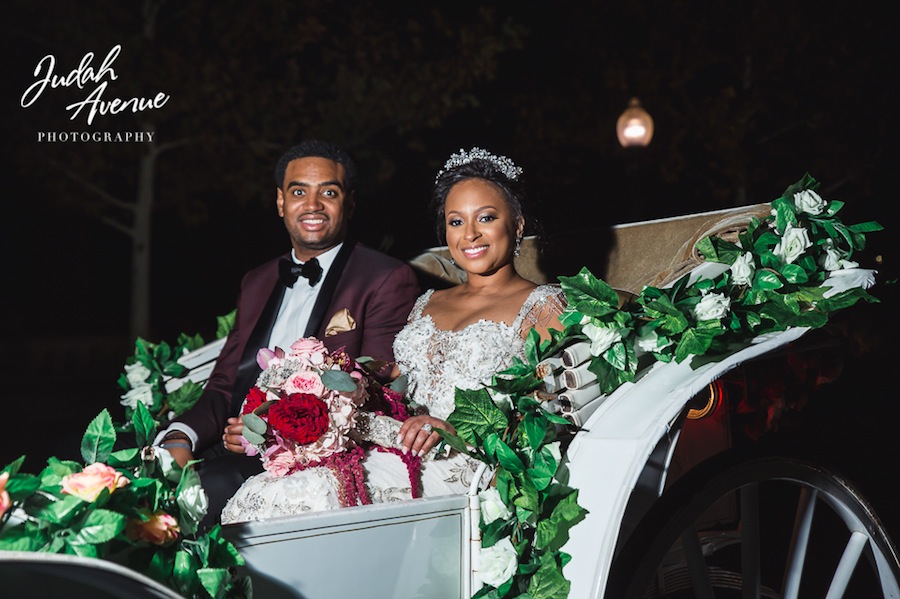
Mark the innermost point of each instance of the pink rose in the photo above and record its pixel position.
(279, 462)
(89, 483)
(305, 381)
(310, 349)
(5, 501)
(159, 528)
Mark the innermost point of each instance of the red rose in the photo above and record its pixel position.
(255, 398)
(300, 417)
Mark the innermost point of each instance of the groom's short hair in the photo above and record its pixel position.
(320, 149)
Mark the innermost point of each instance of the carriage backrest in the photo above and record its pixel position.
(658, 252)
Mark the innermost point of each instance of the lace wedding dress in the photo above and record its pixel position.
(436, 362)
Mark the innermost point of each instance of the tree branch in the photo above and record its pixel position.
(105, 196)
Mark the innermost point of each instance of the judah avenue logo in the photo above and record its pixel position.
(84, 76)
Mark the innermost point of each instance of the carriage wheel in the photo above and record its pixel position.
(758, 527)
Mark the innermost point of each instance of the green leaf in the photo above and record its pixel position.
(184, 397)
(100, 526)
(21, 538)
(144, 427)
(214, 580)
(794, 274)
(456, 442)
(125, 458)
(20, 486)
(98, 439)
(476, 414)
(548, 582)
(338, 380)
(535, 428)
(694, 341)
(553, 531)
(764, 279)
(253, 438)
(400, 384)
(508, 458)
(589, 295)
(174, 369)
(63, 510)
(525, 494)
(225, 323)
(255, 424)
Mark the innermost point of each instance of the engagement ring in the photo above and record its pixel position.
(427, 428)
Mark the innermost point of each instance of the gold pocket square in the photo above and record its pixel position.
(341, 322)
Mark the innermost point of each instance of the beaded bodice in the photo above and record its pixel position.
(437, 361)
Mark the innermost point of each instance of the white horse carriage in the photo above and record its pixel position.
(680, 502)
(673, 506)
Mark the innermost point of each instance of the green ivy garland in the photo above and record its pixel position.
(775, 279)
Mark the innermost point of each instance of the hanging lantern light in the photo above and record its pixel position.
(635, 126)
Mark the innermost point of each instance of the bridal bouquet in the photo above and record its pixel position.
(303, 408)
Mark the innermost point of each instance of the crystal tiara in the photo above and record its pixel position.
(502, 163)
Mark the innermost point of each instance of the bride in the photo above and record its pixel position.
(454, 338)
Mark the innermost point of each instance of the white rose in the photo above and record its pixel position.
(809, 201)
(743, 268)
(136, 373)
(601, 338)
(492, 506)
(648, 341)
(498, 563)
(712, 306)
(193, 502)
(142, 393)
(793, 243)
(833, 259)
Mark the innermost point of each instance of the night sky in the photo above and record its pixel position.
(746, 97)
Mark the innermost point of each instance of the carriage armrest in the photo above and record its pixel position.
(200, 364)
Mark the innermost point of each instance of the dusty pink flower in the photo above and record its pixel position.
(279, 462)
(309, 349)
(304, 381)
(160, 528)
(89, 483)
(5, 501)
(266, 357)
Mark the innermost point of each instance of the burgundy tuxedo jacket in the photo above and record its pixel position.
(378, 292)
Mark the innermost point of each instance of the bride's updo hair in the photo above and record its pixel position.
(477, 164)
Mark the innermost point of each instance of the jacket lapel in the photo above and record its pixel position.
(323, 300)
(248, 370)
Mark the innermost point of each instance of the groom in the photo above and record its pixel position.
(328, 286)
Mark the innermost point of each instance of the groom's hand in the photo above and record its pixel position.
(234, 430)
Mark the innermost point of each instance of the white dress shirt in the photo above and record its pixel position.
(290, 323)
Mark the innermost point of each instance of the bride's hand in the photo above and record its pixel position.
(417, 434)
(232, 435)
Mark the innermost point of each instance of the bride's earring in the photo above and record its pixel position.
(518, 249)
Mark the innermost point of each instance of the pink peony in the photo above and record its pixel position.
(304, 381)
(160, 528)
(309, 349)
(90, 482)
(5, 501)
(279, 462)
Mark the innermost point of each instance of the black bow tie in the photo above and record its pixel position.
(288, 271)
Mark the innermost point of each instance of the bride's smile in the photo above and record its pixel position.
(481, 228)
